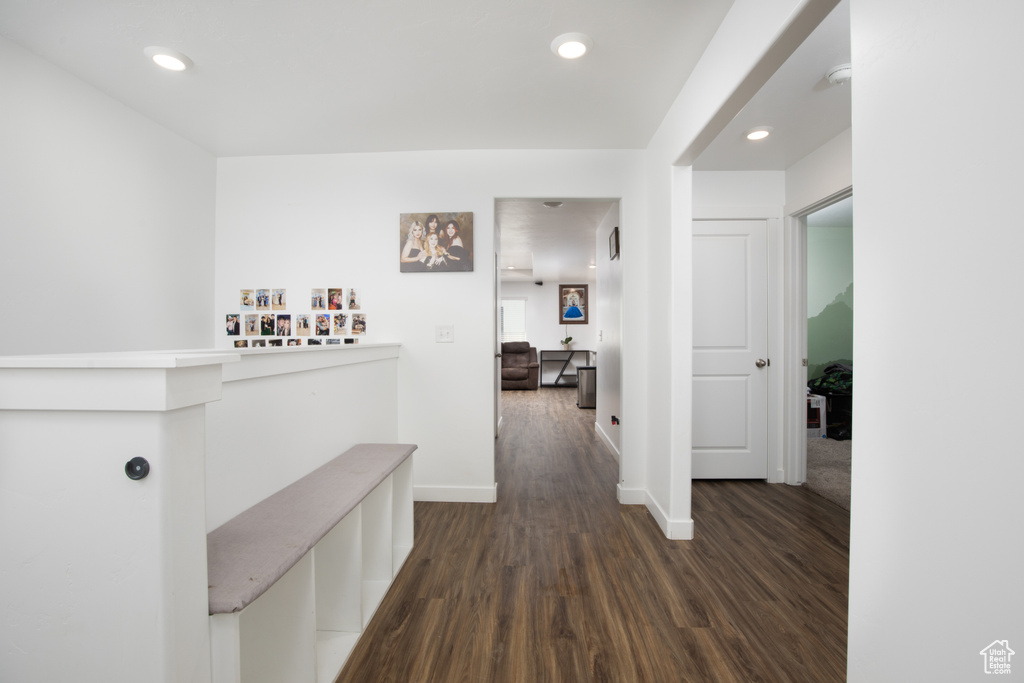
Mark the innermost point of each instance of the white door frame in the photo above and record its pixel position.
(793, 416)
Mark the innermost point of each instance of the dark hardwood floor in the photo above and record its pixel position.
(558, 582)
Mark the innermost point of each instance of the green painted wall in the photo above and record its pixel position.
(829, 292)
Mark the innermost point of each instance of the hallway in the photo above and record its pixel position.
(558, 582)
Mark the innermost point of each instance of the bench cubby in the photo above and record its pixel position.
(295, 579)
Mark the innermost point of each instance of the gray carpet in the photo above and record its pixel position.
(828, 469)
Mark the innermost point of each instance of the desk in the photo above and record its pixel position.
(565, 358)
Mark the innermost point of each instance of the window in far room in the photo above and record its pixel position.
(513, 320)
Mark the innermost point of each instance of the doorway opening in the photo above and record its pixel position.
(829, 287)
(547, 245)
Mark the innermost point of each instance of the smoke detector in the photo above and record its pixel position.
(839, 75)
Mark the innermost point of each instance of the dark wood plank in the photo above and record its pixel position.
(558, 582)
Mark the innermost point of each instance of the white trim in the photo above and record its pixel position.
(628, 496)
(794, 433)
(732, 213)
(607, 442)
(776, 344)
(456, 494)
(674, 529)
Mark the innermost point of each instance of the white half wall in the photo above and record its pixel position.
(283, 413)
(107, 220)
(938, 476)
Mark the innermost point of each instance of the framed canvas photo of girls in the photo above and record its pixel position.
(435, 242)
(573, 305)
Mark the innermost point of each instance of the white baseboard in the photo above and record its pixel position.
(675, 529)
(630, 496)
(607, 442)
(456, 494)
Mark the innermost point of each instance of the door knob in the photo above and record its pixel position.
(760, 362)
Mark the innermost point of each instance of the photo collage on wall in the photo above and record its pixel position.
(334, 317)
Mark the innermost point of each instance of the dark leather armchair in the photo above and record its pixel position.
(519, 366)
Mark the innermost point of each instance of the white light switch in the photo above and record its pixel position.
(444, 334)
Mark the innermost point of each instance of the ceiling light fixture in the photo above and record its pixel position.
(571, 45)
(552, 205)
(759, 133)
(169, 59)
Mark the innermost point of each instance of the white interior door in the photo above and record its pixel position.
(730, 347)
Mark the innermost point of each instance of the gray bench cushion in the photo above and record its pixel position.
(248, 553)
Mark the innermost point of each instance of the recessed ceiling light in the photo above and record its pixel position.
(593, 266)
(571, 45)
(510, 267)
(168, 58)
(552, 205)
(759, 133)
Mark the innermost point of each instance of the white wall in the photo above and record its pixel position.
(823, 173)
(107, 220)
(753, 40)
(935, 564)
(609, 339)
(319, 221)
(542, 314)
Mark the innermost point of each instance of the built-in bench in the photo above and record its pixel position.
(319, 554)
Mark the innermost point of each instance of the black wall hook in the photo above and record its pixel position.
(137, 468)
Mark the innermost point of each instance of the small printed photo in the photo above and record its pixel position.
(262, 299)
(276, 342)
(233, 322)
(246, 300)
(318, 300)
(350, 340)
(250, 324)
(280, 302)
(259, 342)
(241, 343)
(302, 324)
(313, 342)
(294, 342)
(340, 323)
(284, 325)
(353, 299)
(336, 299)
(359, 323)
(333, 340)
(266, 324)
(323, 324)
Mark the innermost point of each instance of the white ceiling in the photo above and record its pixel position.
(550, 244)
(323, 76)
(802, 108)
(326, 76)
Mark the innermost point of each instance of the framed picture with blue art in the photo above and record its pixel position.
(573, 305)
